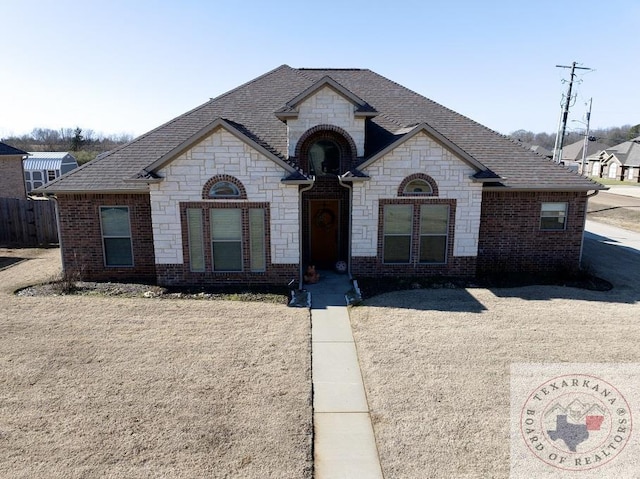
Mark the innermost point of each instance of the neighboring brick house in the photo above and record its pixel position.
(619, 162)
(11, 173)
(318, 166)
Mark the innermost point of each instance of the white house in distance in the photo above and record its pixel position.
(42, 167)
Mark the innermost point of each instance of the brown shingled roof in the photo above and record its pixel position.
(252, 108)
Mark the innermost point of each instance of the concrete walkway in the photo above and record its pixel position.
(344, 443)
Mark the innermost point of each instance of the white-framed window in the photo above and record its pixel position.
(415, 233)
(553, 216)
(434, 232)
(397, 230)
(116, 235)
(195, 233)
(226, 238)
(237, 235)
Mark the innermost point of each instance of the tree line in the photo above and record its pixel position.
(85, 145)
(609, 136)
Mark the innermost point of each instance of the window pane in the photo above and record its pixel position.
(552, 223)
(433, 249)
(196, 239)
(227, 256)
(224, 189)
(257, 239)
(554, 207)
(115, 221)
(397, 249)
(226, 224)
(324, 158)
(117, 252)
(37, 175)
(397, 219)
(418, 187)
(434, 219)
(553, 216)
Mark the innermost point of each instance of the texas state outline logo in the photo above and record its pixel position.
(576, 422)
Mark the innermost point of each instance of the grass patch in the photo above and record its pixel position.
(610, 182)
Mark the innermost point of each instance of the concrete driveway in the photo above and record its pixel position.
(613, 254)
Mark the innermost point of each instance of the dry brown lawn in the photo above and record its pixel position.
(436, 364)
(132, 388)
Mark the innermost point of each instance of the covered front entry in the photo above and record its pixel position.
(325, 224)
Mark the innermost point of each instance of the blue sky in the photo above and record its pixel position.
(128, 66)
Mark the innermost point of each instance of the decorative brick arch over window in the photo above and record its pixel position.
(331, 133)
(206, 190)
(417, 178)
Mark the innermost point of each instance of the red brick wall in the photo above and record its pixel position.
(81, 237)
(511, 239)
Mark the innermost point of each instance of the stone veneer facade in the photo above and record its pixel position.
(454, 187)
(326, 107)
(222, 153)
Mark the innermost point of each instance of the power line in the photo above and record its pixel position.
(562, 127)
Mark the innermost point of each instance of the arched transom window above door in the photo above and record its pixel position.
(325, 150)
(324, 158)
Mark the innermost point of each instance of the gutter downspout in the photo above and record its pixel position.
(60, 245)
(584, 227)
(300, 232)
(350, 188)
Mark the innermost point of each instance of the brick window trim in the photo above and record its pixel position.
(344, 141)
(246, 246)
(218, 178)
(415, 231)
(418, 176)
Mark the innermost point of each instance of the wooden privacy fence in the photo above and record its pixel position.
(27, 222)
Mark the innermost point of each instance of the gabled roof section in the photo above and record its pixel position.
(235, 129)
(7, 150)
(290, 110)
(407, 133)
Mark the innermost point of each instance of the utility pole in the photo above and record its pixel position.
(585, 145)
(557, 152)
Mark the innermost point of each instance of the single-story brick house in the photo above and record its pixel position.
(318, 166)
(619, 162)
